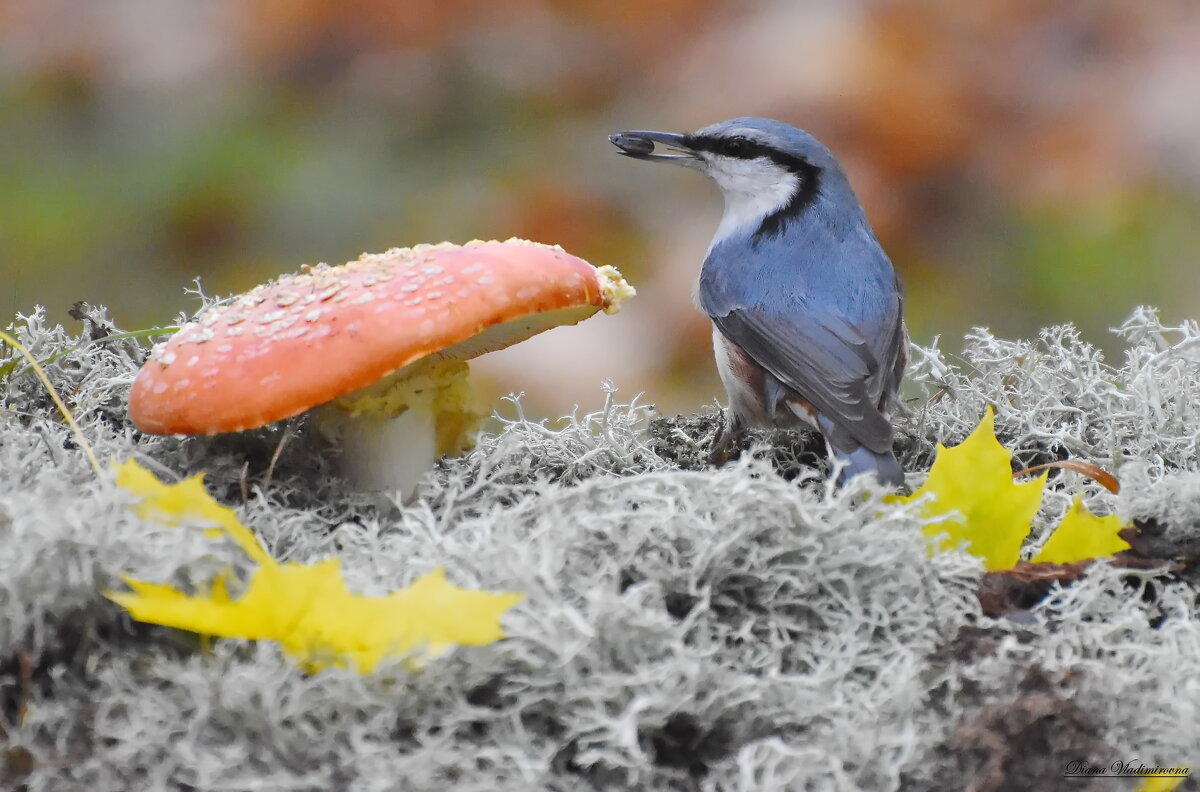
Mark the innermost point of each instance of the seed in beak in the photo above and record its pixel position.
(632, 144)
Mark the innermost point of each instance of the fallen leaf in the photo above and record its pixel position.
(973, 501)
(306, 608)
(1081, 535)
(309, 611)
(186, 502)
(1161, 784)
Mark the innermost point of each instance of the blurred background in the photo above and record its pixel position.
(1024, 162)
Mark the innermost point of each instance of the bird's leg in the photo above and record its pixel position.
(728, 433)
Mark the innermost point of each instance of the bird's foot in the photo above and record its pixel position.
(724, 444)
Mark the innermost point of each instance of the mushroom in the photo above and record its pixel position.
(380, 344)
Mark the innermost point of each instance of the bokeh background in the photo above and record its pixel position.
(1024, 162)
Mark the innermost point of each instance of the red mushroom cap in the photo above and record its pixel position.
(305, 339)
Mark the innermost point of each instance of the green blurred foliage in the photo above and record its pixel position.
(1088, 265)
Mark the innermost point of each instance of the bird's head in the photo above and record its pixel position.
(769, 171)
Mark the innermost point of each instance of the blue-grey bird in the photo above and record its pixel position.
(807, 311)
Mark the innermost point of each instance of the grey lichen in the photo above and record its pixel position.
(745, 628)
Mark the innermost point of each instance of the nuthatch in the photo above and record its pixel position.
(807, 311)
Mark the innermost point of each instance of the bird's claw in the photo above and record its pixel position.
(722, 448)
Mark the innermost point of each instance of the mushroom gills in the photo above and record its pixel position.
(508, 333)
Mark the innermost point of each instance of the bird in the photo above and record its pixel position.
(807, 310)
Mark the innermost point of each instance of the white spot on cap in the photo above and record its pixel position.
(434, 295)
(320, 331)
(225, 348)
(363, 299)
(168, 358)
(432, 269)
(472, 269)
(160, 387)
(182, 384)
(272, 316)
(272, 378)
(409, 287)
(193, 360)
(231, 332)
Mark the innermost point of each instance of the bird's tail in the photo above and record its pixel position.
(864, 460)
(860, 459)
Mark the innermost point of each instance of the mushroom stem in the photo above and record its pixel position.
(392, 431)
(382, 453)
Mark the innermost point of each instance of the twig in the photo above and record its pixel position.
(58, 402)
(287, 433)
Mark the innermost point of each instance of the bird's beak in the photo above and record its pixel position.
(640, 145)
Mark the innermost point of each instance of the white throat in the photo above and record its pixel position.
(753, 189)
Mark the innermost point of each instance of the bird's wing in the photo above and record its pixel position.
(830, 365)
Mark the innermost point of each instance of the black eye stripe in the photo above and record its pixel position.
(746, 149)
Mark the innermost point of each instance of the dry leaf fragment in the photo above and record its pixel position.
(1101, 476)
(1024, 586)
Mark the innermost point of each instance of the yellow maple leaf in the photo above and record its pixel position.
(1160, 784)
(1081, 535)
(184, 503)
(974, 501)
(306, 608)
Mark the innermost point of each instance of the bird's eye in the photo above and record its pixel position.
(736, 147)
